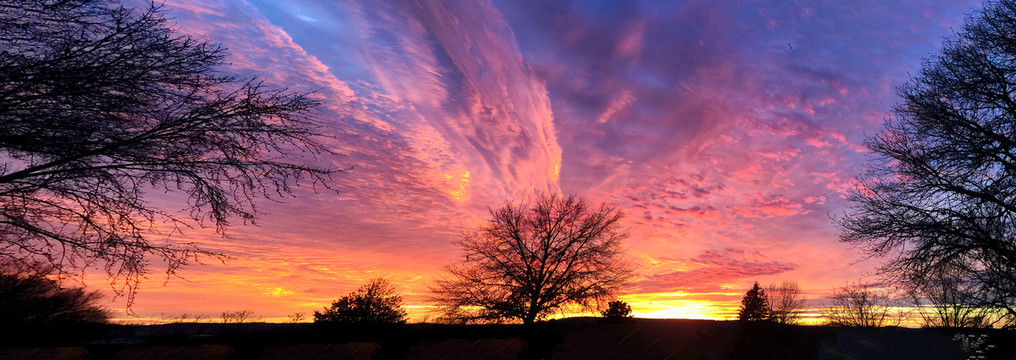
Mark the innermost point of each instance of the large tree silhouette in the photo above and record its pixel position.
(101, 105)
(531, 259)
(941, 193)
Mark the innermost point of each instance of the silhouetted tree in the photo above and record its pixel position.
(616, 310)
(785, 302)
(29, 298)
(296, 317)
(101, 104)
(189, 318)
(530, 260)
(374, 303)
(942, 190)
(944, 300)
(238, 316)
(754, 305)
(861, 305)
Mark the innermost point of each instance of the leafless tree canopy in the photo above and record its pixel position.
(861, 305)
(942, 192)
(943, 299)
(101, 105)
(238, 316)
(532, 259)
(785, 302)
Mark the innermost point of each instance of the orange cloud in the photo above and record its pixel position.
(727, 147)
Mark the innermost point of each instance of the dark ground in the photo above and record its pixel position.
(576, 338)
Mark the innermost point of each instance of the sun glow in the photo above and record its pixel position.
(679, 305)
(690, 309)
(725, 177)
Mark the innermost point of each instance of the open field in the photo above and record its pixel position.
(575, 338)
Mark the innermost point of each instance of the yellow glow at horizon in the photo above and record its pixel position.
(689, 311)
(425, 314)
(680, 309)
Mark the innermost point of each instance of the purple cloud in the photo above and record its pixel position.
(714, 125)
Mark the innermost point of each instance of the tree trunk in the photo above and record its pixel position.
(531, 315)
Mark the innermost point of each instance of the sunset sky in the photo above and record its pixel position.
(727, 131)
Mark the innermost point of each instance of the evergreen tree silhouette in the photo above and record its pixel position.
(755, 305)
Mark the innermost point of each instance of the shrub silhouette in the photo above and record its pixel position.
(616, 310)
(239, 316)
(373, 303)
(31, 298)
(35, 309)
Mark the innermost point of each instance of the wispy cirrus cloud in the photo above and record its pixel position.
(728, 132)
(437, 113)
(729, 125)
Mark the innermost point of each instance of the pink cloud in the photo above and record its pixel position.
(632, 43)
(726, 130)
(713, 268)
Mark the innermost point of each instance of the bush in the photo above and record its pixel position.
(616, 310)
(32, 298)
(373, 303)
(239, 316)
(41, 310)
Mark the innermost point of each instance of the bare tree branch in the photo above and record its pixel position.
(786, 302)
(531, 260)
(861, 305)
(941, 193)
(102, 105)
